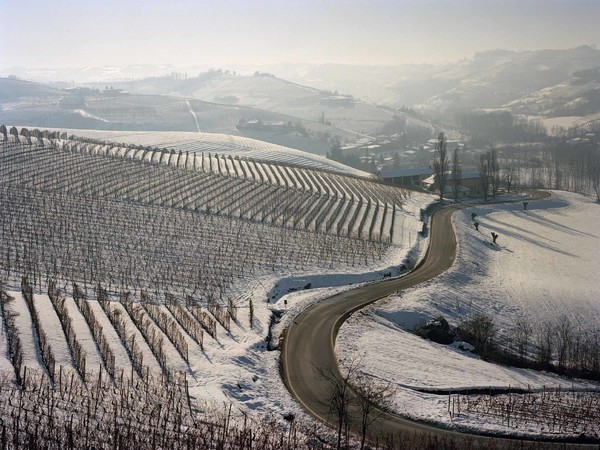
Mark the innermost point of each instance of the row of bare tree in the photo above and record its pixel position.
(15, 348)
(570, 167)
(558, 345)
(46, 351)
(157, 414)
(169, 327)
(104, 349)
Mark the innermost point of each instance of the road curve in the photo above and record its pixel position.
(309, 341)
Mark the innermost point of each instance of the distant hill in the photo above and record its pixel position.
(267, 92)
(12, 90)
(491, 79)
(497, 79)
(262, 107)
(579, 95)
(36, 105)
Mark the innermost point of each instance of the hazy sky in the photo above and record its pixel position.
(63, 33)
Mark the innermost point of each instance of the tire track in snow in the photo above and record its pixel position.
(191, 110)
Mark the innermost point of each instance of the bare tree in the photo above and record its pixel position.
(544, 337)
(456, 173)
(494, 171)
(522, 332)
(251, 313)
(510, 174)
(373, 400)
(441, 164)
(594, 173)
(489, 173)
(484, 175)
(338, 398)
(480, 331)
(564, 333)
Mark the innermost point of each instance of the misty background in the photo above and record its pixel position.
(221, 33)
(368, 84)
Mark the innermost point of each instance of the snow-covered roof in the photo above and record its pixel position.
(578, 141)
(469, 175)
(464, 176)
(429, 180)
(390, 172)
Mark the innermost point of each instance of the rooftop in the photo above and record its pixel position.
(391, 172)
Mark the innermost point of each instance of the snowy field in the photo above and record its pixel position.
(545, 267)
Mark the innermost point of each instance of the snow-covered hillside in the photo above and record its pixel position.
(222, 144)
(269, 93)
(544, 268)
(142, 263)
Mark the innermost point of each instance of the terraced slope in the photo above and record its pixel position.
(149, 218)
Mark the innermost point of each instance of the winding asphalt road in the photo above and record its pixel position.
(309, 342)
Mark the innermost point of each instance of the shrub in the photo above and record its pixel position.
(480, 331)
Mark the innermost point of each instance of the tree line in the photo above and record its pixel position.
(558, 346)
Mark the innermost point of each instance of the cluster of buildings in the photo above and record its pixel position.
(411, 169)
(424, 178)
(264, 125)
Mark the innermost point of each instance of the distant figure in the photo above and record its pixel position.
(473, 215)
(494, 237)
(525, 206)
(476, 226)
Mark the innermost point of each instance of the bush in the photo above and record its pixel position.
(480, 331)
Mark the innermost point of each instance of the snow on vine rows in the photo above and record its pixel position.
(369, 127)
(151, 194)
(224, 144)
(191, 185)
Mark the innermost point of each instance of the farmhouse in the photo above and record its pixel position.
(339, 101)
(111, 92)
(451, 144)
(412, 176)
(469, 184)
(263, 125)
